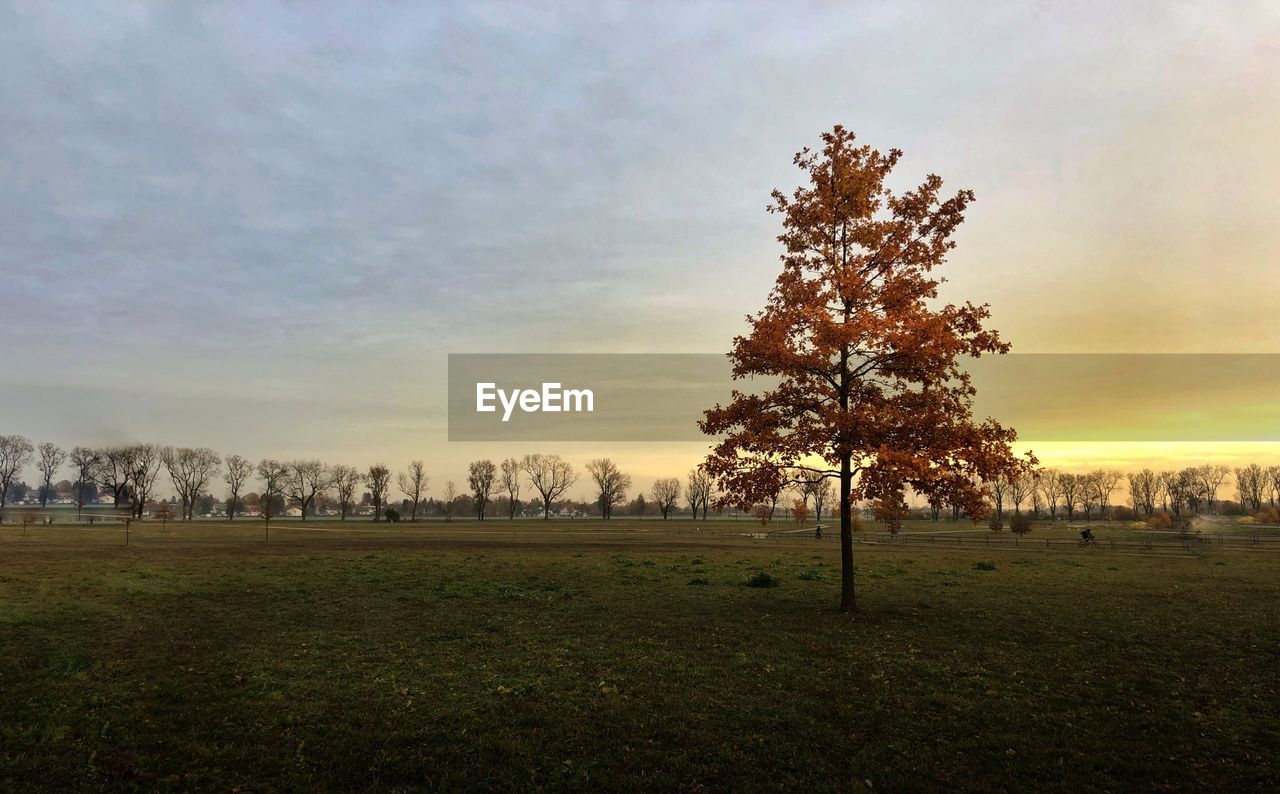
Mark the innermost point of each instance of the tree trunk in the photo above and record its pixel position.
(847, 601)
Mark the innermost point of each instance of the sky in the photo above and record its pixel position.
(263, 227)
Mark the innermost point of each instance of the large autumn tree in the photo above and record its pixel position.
(867, 362)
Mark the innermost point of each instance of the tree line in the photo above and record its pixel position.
(128, 476)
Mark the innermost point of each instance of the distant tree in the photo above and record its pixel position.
(413, 484)
(551, 477)
(143, 465)
(666, 492)
(346, 479)
(698, 491)
(640, 506)
(999, 486)
(112, 473)
(1051, 488)
(450, 496)
(85, 460)
(1019, 523)
(509, 481)
(820, 492)
(1104, 484)
(480, 476)
(15, 454)
(1020, 487)
(273, 474)
(305, 480)
(52, 457)
(190, 469)
(800, 512)
(378, 480)
(1211, 480)
(611, 484)
(1070, 485)
(239, 470)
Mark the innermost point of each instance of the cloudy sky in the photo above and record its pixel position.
(263, 227)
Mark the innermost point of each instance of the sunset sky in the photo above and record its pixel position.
(262, 228)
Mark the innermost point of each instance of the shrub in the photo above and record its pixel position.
(995, 522)
(984, 566)
(1267, 515)
(392, 515)
(762, 579)
(1160, 521)
(1020, 523)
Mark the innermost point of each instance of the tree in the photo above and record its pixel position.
(1020, 487)
(820, 490)
(1070, 485)
(239, 470)
(52, 457)
(378, 481)
(1104, 483)
(665, 493)
(112, 473)
(85, 460)
(190, 469)
(999, 486)
(698, 492)
(509, 481)
(413, 484)
(869, 390)
(551, 477)
(273, 474)
(306, 479)
(447, 503)
(1210, 479)
(611, 484)
(15, 454)
(143, 464)
(346, 479)
(480, 476)
(1051, 488)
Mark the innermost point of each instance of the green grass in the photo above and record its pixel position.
(496, 658)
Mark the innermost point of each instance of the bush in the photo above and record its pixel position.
(995, 522)
(392, 515)
(1020, 523)
(762, 579)
(1160, 521)
(984, 566)
(1267, 515)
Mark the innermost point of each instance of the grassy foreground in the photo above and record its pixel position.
(496, 659)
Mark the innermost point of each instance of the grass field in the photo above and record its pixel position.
(574, 655)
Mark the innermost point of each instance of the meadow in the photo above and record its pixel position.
(643, 654)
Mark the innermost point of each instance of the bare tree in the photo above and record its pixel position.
(450, 495)
(86, 460)
(52, 457)
(480, 476)
(346, 479)
(273, 474)
(551, 476)
(998, 486)
(1212, 478)
(112, 473)
(306, 479)
(144, 462)
(413, 484)
(1087, 490)
(1143, 487)
(1071, 490)
(1051, 488)
(822, 492)
(15, 454)
(239, 470)
(1021, 486)
(1104, 484)
(666, 492)
(190, 468)
(611, 484)
(509, 481)
(378, 480)
(1251, 482)
(698, 491)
